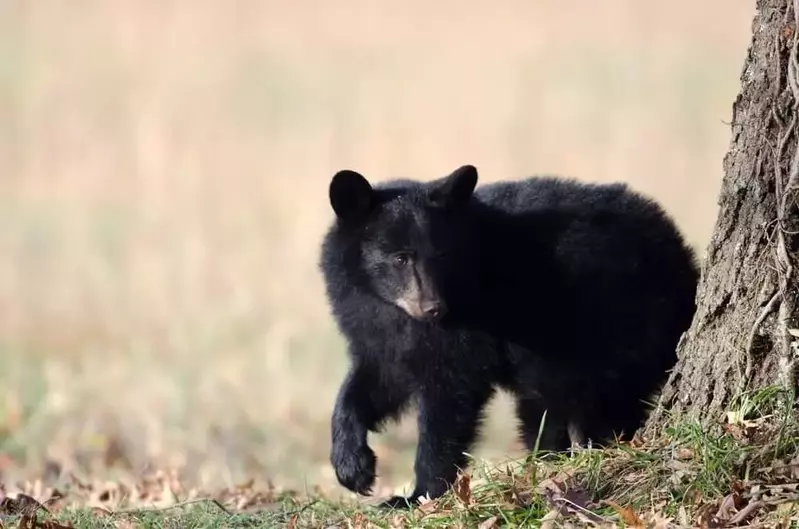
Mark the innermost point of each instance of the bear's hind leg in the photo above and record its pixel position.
(530, 414)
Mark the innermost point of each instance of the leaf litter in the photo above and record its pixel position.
(561, 494)
(31, 501)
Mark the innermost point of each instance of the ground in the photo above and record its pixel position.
(747, 474)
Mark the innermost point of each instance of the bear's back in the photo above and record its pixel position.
(557, 248)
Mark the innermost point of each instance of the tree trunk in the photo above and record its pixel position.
(743, 336)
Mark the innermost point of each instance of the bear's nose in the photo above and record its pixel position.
(433, 310)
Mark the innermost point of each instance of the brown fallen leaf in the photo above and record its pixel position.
(490, 523)
(426, 505)
(358, 521)
(568, 500)
(745, 513)
(22, 504)
(292, 522)
(636, 441)
(659, 522)
(578, 497)
(704, 516)
(100, 511)
(627, 515)
(463, 489)
(727, 509)
(397, 522)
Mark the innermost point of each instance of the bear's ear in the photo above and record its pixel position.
(455, 188)
(350, 195)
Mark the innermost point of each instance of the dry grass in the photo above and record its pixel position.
(163, 173)
(742, 475)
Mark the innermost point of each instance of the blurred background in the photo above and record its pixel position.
(163, 191)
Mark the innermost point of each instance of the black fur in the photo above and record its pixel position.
(571, 296)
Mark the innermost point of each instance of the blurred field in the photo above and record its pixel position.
(163, 191)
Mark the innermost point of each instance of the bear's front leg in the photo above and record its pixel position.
(361, 405)
(449, 420)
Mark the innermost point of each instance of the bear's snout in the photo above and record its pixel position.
(432, 310)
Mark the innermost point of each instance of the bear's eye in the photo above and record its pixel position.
(401, 258)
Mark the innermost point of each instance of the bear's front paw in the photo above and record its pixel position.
(399, 502)
(355, 469)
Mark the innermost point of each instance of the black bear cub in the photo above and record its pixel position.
(570, 296)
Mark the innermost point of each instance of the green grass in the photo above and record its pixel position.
(195, 517)
(687, 475)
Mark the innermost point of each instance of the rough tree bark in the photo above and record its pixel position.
(743, 333)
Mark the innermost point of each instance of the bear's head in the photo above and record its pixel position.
(409, 235)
